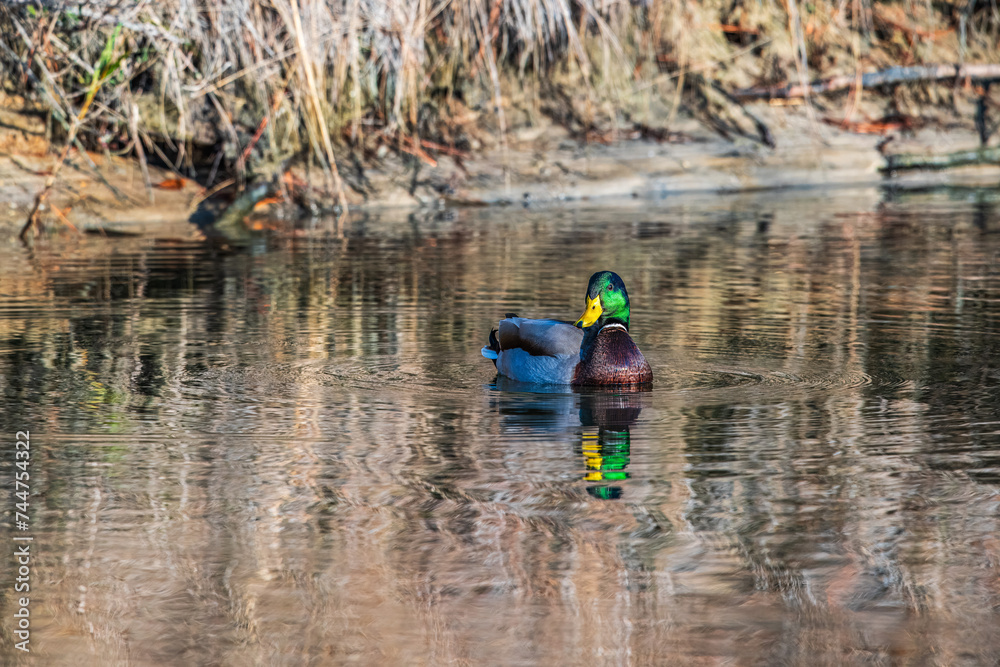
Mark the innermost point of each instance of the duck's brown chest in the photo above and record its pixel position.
(613, 358)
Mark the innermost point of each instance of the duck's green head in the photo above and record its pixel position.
(607, 301)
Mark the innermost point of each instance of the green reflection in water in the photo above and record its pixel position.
(606, 440)
(606, 455)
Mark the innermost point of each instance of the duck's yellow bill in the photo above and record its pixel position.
(592, 313)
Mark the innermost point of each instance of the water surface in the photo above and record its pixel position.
(295, 454)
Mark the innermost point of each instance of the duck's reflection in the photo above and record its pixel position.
(606, 439)
(602, 417)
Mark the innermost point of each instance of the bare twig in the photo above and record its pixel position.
(886, 77)
(763, 131)
(134, 129)
(202, 196)
(40, 198)
(908, 161)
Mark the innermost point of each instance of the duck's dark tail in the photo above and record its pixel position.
(492, 350)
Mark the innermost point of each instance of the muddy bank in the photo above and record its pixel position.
(93, 192)
(539, 165)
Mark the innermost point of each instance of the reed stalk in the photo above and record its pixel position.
(262, 81)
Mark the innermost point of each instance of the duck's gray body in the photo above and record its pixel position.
(537, 351)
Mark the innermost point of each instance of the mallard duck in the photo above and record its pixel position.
(596, 350)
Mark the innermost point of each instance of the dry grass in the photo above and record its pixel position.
(252, 83)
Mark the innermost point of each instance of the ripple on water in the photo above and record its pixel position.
(304, 435)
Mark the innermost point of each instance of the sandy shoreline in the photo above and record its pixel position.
(543, 166)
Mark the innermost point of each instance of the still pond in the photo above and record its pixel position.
(295, 453)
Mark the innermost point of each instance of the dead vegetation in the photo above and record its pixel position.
(238, 87)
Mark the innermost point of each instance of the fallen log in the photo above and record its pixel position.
(887, 77)
(906, 161)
